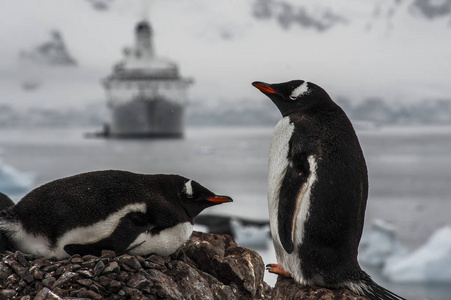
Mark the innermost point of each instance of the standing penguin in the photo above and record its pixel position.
(317, 191)
(114, 210)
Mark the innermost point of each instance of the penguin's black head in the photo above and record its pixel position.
(5, 201)
(294, 96)
(195, 198)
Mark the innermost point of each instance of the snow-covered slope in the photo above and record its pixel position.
(391, 49)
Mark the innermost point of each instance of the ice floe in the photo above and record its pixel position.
(13, 181)
(379, 244)
(250, 236)
(429, 263)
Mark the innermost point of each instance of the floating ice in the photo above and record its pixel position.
(13, 181)
(380, 245)
(201, 228)
(254, 237)
(429, 263)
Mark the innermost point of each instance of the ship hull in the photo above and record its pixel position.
(146, 119)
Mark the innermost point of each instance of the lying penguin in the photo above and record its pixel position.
(115, 210)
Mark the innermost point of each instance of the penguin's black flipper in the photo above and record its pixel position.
(291, 193)
(130, 226)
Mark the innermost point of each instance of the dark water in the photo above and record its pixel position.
(409, 168)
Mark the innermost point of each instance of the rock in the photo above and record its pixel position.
(104, 281)
(85, 273)
(76, 259)
(108, 254)
(85, 282)
(65, 278)
(112, 267)
(208, 266)
(222, 258)
(129, 263)
(98, 269)
(5, 271)
(49, 281)
(37, 274)
(88, 294)
(287, 288)
(139, 281)
(46, 294)
(20, 258)
(114, 286)
(9, 293)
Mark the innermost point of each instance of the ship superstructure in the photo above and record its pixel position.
(146, 94)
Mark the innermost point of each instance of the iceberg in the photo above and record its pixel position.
(13, 181)
(250, 236)
(429, 263)
(379, 245)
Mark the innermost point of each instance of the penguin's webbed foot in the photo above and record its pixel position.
(277, 269)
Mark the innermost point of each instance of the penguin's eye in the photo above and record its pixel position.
(293, 97)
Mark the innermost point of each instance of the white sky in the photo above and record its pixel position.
(411, 62)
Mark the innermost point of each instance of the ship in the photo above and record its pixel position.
(146, 95)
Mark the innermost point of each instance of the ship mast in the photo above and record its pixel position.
(143, 34)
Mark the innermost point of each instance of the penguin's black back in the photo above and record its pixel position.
(85, 199)
(338, 198)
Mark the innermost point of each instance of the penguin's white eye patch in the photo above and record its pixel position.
(299, 91)
(188, 189)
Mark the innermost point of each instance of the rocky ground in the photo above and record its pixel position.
(208, 266)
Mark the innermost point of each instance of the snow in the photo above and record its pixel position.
(13, 181)
(429, 263)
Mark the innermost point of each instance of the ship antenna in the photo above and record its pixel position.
(146, 9)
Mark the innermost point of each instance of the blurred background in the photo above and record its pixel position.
(385, 62)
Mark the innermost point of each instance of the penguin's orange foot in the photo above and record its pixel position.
(277, 269)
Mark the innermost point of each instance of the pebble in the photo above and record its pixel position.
(66, 277)
(49, 281)
(129, 263)
(85, 273)
(9, 293)
(112, 267)
(20, 258)
(89, 294)
(85, 282)
(76, 259)
(98, 269)
(108, 254)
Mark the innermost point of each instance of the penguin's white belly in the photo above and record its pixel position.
(40, 245)
(278, 164)
(165, 243)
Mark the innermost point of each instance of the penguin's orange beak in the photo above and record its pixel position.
(264, 87)
(220, 199)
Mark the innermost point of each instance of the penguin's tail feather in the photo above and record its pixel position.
(367, 287)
